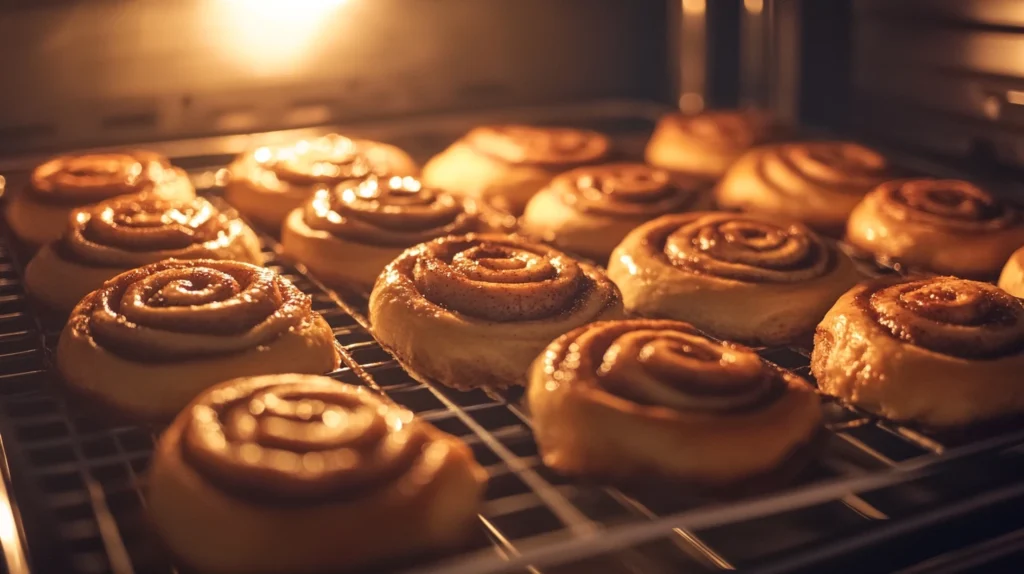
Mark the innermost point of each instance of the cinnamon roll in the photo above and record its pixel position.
(508, 164)
(742, 277)
(941, 225)
(347, 235)
(941, 351)
(114, 236)
(817, 183)
(705, 145)
(297, 473)
(1011, 279)
(589, 210)
(267, 183)
(474, 310)
(40, 213)
(152, 338)
(639, 398)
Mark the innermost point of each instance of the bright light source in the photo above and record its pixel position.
(694, 6)
(269, 36)
(754, 6)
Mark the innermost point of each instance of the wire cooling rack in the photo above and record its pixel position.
(76, 481)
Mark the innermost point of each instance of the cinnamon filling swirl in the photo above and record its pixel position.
(952, 316)
(498, 278)
(183, 309)
(743, 248)
(665, 363)
(726, 131)
(329, 160)
(394, 211)
(627, 189)
(301, 441)
(545, 147)
(946, 203)
(127, 232)
(83, 179)
(846, 168)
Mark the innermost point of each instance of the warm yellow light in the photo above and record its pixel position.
(268, 36)
(694, 6)
(754, 6)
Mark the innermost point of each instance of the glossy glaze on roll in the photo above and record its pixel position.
(39, 214)
(287, 458)
(705, 145)
(636, 398)
(267, 183)
(589, 210)
(152, 338)
(817, 183)
(113, 236)
(474, 310)
(739, 276)
(941, 351)
(508, 164)
(939, 225)
(348, 234)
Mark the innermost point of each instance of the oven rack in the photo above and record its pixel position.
(75, 481)
(89, 475)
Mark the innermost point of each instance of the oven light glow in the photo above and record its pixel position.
(269, 36)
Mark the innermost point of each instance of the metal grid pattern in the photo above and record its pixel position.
(78, 480)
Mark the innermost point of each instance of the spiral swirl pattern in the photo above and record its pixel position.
(728, 132)
(664, 363)
(182, 309)
(841, 167)
(952, 316)
(301, 439)
(83, 179)
(392, 211)
(329, 160)
(741, 247)
(946, 203)
(544, 147)
(129, 232)
(626, 189)
(497, 278)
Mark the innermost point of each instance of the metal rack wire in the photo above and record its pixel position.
(78, 480)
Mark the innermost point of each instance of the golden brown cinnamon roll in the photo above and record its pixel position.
(40, 213)
(151, 339)
(818, 183)
(474, 310)
(941, 351)
(508, 164)
(941, 225)
(267, 183)
(114, 236)
(589, 210)
(1011, 279)
(738, 276)
(705, 145)
(347, 235)
(639, 398)
(296, 473)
